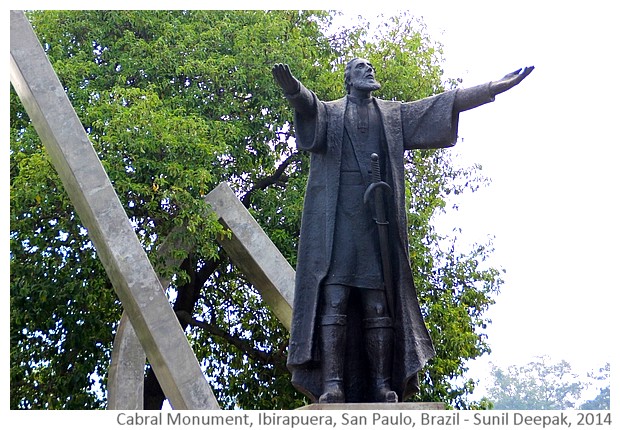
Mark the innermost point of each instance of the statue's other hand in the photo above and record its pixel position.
(510, 80)
(283, 76)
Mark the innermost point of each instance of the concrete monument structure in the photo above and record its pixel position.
(249, 248)
(100, 211)
(361, 291)
(126, 372)
(148, 327)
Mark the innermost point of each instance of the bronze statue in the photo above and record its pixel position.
(358, 334)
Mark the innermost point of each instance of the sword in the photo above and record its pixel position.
(376, 189)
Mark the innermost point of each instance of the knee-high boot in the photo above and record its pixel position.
(332, 344)
(379, 337)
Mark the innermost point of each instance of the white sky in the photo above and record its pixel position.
(550, 148)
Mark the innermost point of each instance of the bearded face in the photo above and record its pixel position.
(362, 76)
(366, 84)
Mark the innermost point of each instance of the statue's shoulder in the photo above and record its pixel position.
(388, 107)
(387, 103)
(338, 102)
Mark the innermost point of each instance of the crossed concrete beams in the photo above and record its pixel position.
(126, 372)
(100, 210)
(249, 248)
(149, 327)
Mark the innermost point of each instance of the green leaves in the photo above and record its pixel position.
(174, 103)
(539, 385)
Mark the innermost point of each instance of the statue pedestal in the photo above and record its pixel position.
(405, 406)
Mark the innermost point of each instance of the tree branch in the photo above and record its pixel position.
(243, 345)
(278, 177)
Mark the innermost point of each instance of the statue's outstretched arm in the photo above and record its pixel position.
(469, 98)
(510, 80)
(283, 76)
(300, 98)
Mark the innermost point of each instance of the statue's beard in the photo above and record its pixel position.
(367, 85)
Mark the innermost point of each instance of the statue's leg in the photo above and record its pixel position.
(333, 323)
(379, 340)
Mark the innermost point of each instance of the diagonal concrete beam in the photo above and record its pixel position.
(101, 212)
(126, 371)
(249, 248)
(254, 253)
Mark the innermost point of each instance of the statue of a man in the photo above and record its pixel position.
(348, 342)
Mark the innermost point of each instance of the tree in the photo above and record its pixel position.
(539, 385)
(602, 399)
(174, 103)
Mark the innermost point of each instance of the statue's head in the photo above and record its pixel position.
(360, 74)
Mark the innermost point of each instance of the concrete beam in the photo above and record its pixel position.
(126, 371)
(254, 253)
(249, 248)
(101, 212)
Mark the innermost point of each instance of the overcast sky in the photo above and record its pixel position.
(550, 148)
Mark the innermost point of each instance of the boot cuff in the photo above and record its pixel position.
(384, 322)
(334, 320)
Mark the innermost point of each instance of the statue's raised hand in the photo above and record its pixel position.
(510, 80)
(284, 78)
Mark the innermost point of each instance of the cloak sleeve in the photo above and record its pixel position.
(431, 122)
(310, 121)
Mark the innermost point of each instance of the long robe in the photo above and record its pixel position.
(427, 123)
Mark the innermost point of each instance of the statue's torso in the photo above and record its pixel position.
(355, 257)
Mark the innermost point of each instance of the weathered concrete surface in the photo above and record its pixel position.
(100, 210)
(126, 372)
(249, 248)
(404, 406)
(254, 253)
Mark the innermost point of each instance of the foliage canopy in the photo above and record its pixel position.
(174, 103)
(543, 385)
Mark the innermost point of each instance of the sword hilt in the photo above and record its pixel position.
(375, 170)
(377, 183)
